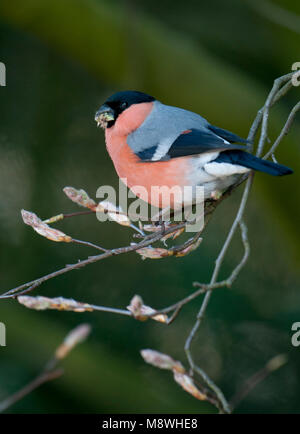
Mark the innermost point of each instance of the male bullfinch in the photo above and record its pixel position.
(152, 144)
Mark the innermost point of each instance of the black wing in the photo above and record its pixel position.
(194, 141)
(227, 135)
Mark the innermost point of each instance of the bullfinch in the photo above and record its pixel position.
(153, 144)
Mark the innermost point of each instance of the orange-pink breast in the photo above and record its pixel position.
(132, 170)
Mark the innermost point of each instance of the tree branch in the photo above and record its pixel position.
(137, 310)
(50, 371)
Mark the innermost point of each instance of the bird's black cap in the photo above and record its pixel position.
(129, 97)
(108, 113)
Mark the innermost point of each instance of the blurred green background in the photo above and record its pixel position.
(63, 58)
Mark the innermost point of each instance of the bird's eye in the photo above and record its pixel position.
(124, 105)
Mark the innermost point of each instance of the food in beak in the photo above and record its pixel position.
(104, 115)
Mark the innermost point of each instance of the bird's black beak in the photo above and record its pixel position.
(104, 115)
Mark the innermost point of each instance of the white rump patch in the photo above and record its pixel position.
(224, 169)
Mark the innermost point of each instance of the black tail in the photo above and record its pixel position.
(245, 159)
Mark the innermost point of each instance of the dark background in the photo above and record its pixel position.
(63, 58)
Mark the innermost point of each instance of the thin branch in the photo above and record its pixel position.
(29, 286)
(268, 104)
(262, 118)
(50, 371)
(111, 310)
(204, 287)
(78, 213)
(63, 216)
(280, 87)
(88, 244)
(285, 130)
(236, 271)
(44, 377)
(147, 241)
(218, 264)
(66, 304)
(206, 299)
(271, 366)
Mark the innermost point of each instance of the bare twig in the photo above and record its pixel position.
(205, 302)
(88, 244)
(278, 90)
(148, 240)
(214, 395)
(285, 130)
(268, 104)
(66, 304)
(44, 377)
(204, 287)
(271, 366)
(50, 371)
